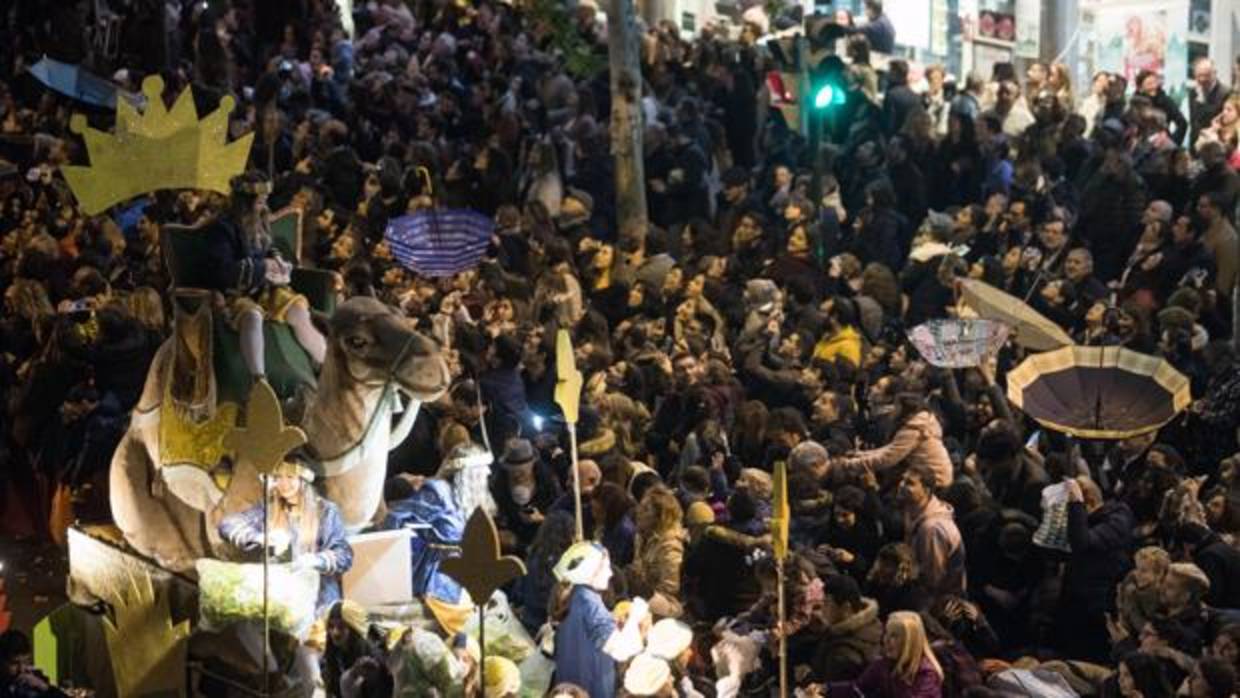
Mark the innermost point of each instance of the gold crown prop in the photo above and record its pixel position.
(159, 149)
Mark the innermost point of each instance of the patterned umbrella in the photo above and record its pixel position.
(958, 342)
(1098, 392)
(440, 242)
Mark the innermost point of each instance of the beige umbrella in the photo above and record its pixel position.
(1030, 328)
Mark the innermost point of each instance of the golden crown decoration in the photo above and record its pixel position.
(159, 148)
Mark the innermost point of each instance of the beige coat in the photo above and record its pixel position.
(920, 440)
(655, 573)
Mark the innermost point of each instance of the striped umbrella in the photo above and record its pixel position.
(439, 242)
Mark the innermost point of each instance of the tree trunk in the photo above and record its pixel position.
(624, 58)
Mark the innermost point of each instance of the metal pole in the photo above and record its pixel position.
(572, 441)
(482, 417)
(482, 649)
(1235, 317)
(783, 636)
(266, 612)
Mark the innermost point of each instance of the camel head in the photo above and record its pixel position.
(371, 344)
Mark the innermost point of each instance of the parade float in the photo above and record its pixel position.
(160, 604)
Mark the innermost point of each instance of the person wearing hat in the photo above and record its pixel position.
(649, 675)
(672, 641)
(302, 528)
(500, 678)
(575, 211)
(242, 263)
(524, 489)
(588, 642)
(348, 627)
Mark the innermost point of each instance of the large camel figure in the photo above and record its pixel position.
(169, 511)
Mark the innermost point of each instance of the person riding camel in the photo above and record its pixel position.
(254, 277)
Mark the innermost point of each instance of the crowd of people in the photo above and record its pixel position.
(758, 316)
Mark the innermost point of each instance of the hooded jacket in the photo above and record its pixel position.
(919, 440)
(844, 344)
(938, 547)
(848, 646)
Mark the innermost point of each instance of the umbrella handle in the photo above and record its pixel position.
(426, 176)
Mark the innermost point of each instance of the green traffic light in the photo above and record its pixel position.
(827, 95)
(824, 96)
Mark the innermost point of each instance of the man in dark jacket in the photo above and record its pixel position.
(524, 489)
(1149, 84)
(1216, 177)
(1100, 535)
(712, 585)
(1112, 203)
(1206, 97)
(503, 390)
(853, 634)
(1220, 562)
(737, 199)
(878, 28)
(900, 100)
(879, 230)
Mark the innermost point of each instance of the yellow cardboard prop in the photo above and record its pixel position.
(148, 652)
(568, 378)
(780, 514)
(480, 568)
(265, 440)
(159, 149)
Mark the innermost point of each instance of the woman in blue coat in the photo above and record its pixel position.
(303, 528)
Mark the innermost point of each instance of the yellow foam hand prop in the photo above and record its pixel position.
(147, 650)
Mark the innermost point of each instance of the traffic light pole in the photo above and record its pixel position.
(811, 120)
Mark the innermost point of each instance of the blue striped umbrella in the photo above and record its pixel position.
(439, 242)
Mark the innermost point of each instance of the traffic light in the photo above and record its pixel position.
(828, 85)
(828, 94)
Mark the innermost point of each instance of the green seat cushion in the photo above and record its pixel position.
(288, 365)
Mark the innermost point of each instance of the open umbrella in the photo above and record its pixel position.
(1033, 330)
(958, 342)
(1098, 392)
(72, 81)
(439, 242)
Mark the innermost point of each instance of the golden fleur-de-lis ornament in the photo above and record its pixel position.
(480, 568)
(265, 440)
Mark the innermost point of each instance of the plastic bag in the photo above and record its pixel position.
(506, 637)
(1053, 531)
(231, 592)
(1035, 683)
